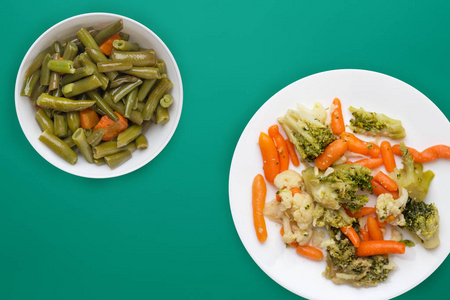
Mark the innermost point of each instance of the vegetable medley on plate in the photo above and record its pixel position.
(323, 204)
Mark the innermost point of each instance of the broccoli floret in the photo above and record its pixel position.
(422, 221)
(344, 267)
(412, 177)
(323, 217)
(339, 187)
(371, 123)
(308, 134)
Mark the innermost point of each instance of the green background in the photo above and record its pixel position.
(165, 231)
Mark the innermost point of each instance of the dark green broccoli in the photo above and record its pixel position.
(371, 123)
(412, 177)
(326, 217)
(340, 187)
(422, 221)
(308, 134)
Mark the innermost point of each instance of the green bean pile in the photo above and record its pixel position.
(76, 75)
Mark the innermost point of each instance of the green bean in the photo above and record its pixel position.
(100, 161)
(60, 125)
(57, 92)
(128, 135)
(69, 141)
(122, 79)
(118, 159)
(97, 56)
(155, 96)
(96, 137)
(140, 106)
(79, 137)
(124, 36)
(56, 47)
(61, 66)
(108, 31)
(103, 105)
(145, 89)
(123, 90)
(109, 66)
(87, 39)
(45, 71)
(97, 110)
(45, 123)
(135, 116)
(37, 91)
(130, 102)
(141, 142)
(74, 39)
(166, 100)
(161, 65)
(30, 82)
(37, 63)
(63, 104)
(125, 45)
(162, 115)
(109, 148)
(54, 76)
(79, 73)
(70, 52)
(77, 62)
(86, 61)
(144, 58)
(73, 120)
(59, 147)
(144, 72)
(81, 86)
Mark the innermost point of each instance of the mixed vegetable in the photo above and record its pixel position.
(94, 91)
(331, 196)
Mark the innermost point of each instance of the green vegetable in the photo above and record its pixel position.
(325, 217)
(339, 187)
(422, 221)
(412, 177)
(309, 135)
(373, 124)
(408, 243)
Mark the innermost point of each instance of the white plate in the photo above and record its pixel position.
(158, 135)
(425, 125)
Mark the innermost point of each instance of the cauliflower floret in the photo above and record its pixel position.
(273, 212)
(288, 179)
(303, 206)
(286, 199)
(386, 206)
(292, 233)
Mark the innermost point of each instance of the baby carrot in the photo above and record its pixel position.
(88, 118)
(359, 146)
(430, 154)
(112, 129)
(386, 181)
(310, 252)
(388, 156)
(375, 232)
(364, 233)
(292, 153)
(259, 191)
(296, 190)
(269, 154)
(371, 163)
(280, 144)
(370, 248)
(352, 235)
(337, 119)
(331, 153)
(107, 45)
(378, 189)
(364, 211)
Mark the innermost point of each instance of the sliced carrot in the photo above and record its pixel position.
(378, 247)
(331, 153)
(296, 190)
(430, 154)
(259, 191)
(388, 156)
(88, 118)
(269, 154)
(390, 219)
(378, 189)
(292, 153)
(280, 144)
(359, 146)
(352, 235)
(374, 229)
(278, 197)
(371, 163)
(112, 129)
(337, 119)
(386, 182)
(364, 233)
(310, 252)
(364, 211)
(107, 45)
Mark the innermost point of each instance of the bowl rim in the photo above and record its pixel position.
(111, 173)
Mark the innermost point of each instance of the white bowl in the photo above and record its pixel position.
(158, 135)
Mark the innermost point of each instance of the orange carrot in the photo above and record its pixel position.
(296, 190)
(331, 153)
(112, 129)
(378, 189)
(390, 219)
(371, 163)
(269, 154)
(107, 45)
(386, 182)
(388, 156)
(375, 232)
(364, 235)
(359, 146)
(292, 153)
(337, 119)
(259, 191)
(88, 118)
(352, 235)
(364, 211)
(278, 197)
(280, 144)
(370, 248)
(293, 244)
(310, 252)
(430, 154)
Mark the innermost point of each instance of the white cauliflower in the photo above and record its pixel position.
(287, 180)
(292, 233)
(302, 208)
(387, 206)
